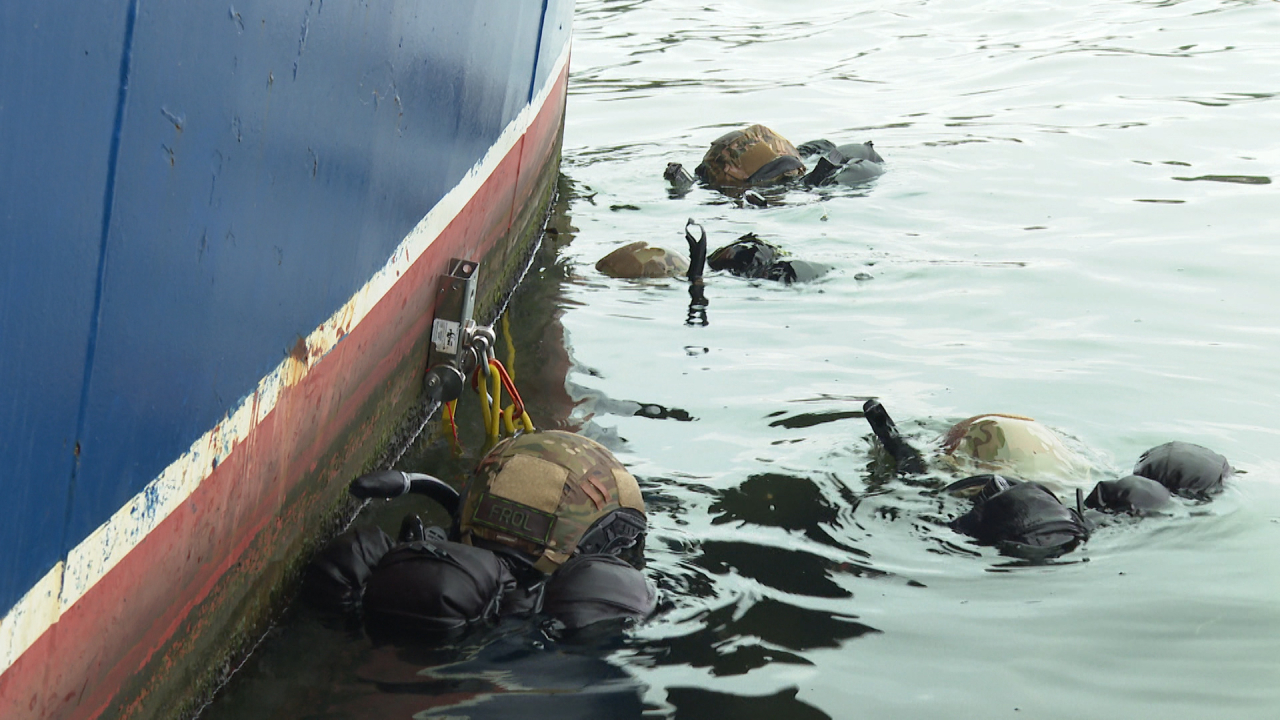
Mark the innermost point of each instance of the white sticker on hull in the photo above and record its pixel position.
(444, 335)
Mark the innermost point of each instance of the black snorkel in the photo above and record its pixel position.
(908, 459)
(389, 484)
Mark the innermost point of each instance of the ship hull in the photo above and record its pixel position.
(175, 474)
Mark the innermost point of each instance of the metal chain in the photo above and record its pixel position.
(529, 260)
(524, 271)
(432, 407)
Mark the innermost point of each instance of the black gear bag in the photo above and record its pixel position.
(432, 587)
(335, 581)
(593, 588)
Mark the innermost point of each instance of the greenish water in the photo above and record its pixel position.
(1078, 224)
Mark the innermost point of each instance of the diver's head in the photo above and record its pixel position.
(754, 155)
(1013, 445)
(543, 497)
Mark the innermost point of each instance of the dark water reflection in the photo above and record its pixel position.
(785, 569)
(519, 672)
(693, 703)
(730, 641)
(783, 501)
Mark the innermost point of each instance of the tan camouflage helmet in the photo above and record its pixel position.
(750, 156)
(539, 492)
(642, 260)
(1015, 445)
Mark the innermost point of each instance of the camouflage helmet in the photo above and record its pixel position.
(750, 156)
(642, 260)
(1015, 445)
(540, 493)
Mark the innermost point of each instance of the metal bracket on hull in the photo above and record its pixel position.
(458, 345)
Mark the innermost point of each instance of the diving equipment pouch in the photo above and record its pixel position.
(336, 578)
(434, 586)
(592, 588)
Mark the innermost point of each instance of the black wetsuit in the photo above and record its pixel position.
(431, 585)
(1021, 518)
(1027, 519)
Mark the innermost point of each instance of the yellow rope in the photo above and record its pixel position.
(451, 415)
(496, 417)
(525, 420)
(495, 400)
(511, 349)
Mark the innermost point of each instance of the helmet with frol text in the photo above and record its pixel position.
(545, 496)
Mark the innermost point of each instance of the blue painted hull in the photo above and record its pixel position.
(190, 194)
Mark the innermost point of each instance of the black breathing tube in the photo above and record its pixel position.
(438, 490)
(394, 483)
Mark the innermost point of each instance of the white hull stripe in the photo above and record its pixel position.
(94, 557)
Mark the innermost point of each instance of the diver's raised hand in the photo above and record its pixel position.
(697, 249)
(908, 458)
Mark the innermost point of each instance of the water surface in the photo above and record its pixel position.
(1078, 224)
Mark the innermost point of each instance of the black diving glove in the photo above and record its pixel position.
(697, 263)
(697, 250)
(908, 458)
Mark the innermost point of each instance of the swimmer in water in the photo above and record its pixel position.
(756, 156)
(1016, 512)
(549, 524)
(752, 156)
